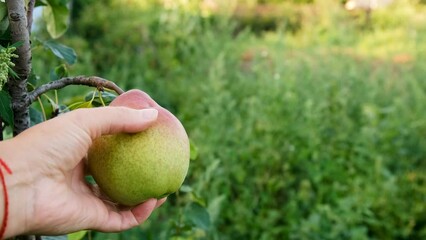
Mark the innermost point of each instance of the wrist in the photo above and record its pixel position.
(18, 186)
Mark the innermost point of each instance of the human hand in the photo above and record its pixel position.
(47, 191)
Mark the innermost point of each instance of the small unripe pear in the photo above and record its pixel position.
(132, 168)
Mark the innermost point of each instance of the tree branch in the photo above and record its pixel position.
(93, 81)
(30, 15)
(18, 86)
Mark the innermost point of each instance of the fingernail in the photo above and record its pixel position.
(149, 114)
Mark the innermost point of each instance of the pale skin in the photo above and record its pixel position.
(47, 191)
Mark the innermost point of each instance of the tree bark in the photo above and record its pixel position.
(18, 86)
(30, 11)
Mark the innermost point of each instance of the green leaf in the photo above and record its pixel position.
(61, 51)
(77, 235)
(13, 73)
(40, 3)
(57, 109)
(185, 189)
(6, 112)
(89, 179)
(199, 216)
(33, 79)
(215, 206)
(106, 236)
(8, 132)
(3, 11)
(107, 98)
(89, 96)
(36, 116)
(59, 72)
(4, 25)
(133, 234)
(196, 198)
(63, 109)
(56, 14)
(78, 105)
(193, 150)
(17, 44)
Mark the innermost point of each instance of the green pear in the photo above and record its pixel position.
(132, 168)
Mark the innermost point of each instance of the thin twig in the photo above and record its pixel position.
(30, 10)
(97, 82)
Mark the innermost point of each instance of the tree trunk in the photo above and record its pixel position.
(18, 86)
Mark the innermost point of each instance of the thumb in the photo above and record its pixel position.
(109, 120)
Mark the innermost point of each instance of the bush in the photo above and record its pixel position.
(314, 135)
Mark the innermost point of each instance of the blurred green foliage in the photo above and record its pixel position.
(318, 133)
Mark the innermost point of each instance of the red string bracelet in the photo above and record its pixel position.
(6, 198)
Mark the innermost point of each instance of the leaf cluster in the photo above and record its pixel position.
(6, 64)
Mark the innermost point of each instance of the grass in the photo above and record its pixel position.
(314, 135)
